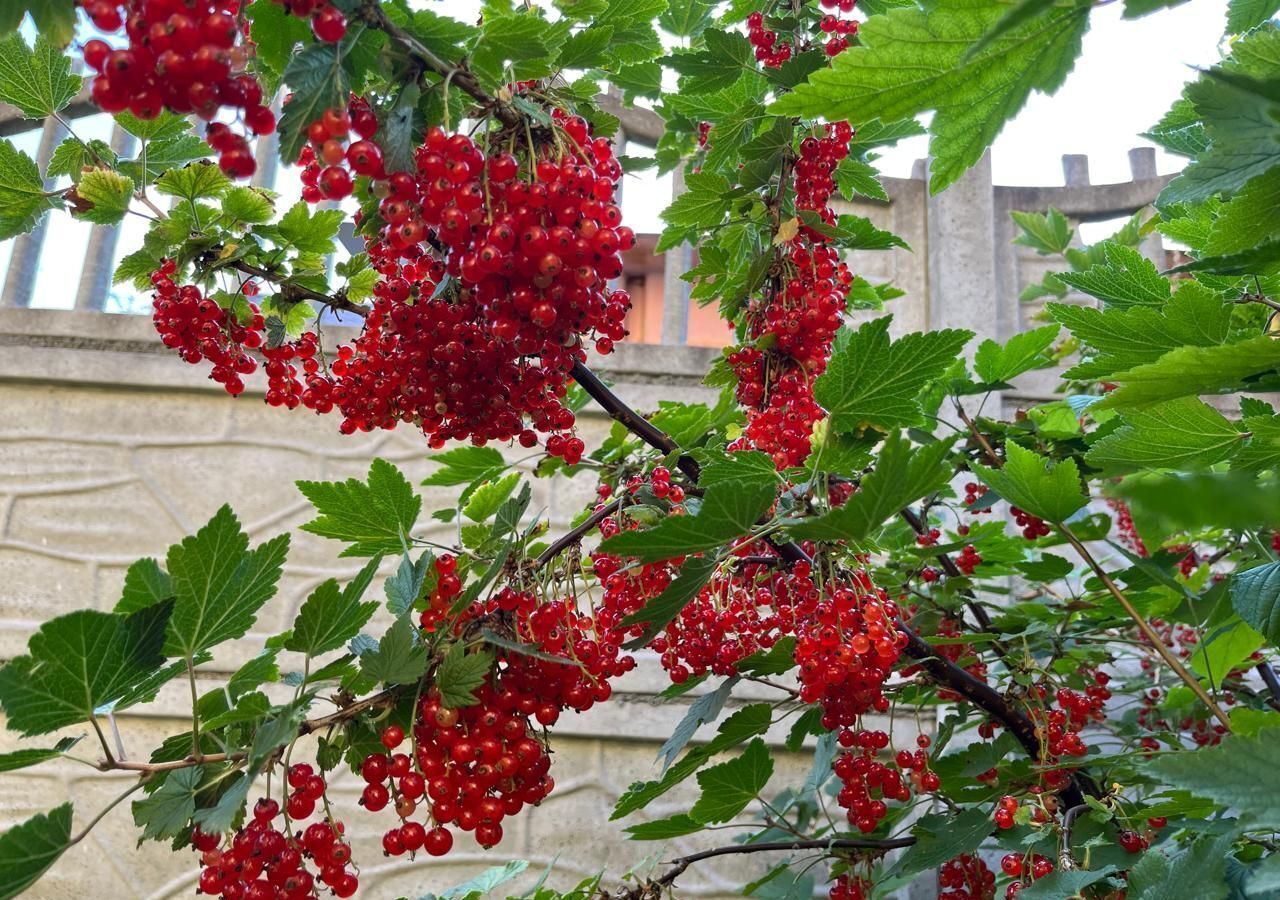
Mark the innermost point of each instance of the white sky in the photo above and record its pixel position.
(1127, 77)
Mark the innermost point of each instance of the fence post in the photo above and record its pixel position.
(1142, 166)
(675, 292)
(962, 258)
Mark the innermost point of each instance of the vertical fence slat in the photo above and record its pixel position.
(99, 257)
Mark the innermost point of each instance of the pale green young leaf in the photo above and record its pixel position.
(165, 127)
(465, 465)
(159, 156)
(854, 177)
(1224, 648)
(461, 673)
(72, 157)
(1046, 233)
(873, 382)
(37, 80)
(488, 497)
(197, 181)
(1041, 486)
(28, 849)
(730, 786)
(913, 60)
(308, 231)
(109, 192)
(219, 584)
(1181, 434)
(79, 662)
(374, 516)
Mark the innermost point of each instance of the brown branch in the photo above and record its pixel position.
(298, 292)
(572, 537)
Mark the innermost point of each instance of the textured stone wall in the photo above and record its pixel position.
(111, 449)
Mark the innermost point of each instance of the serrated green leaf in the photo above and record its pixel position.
(37, 80)
(722, 60)
(940, 837)
(319, 80)
(400, 657)
(1255, 595)
(662, 609)
(308, 231)
(79, 662)
(72, 157)
(728, 511)
(465, 465)
(488, 497)
(665, 829)
(913, 60)
(222, 815)
(22, 759)
(198, 181)
(1041, 486)
(405, 587)
(160, 156)
(902, 475)
(331, 616)
(1022, 353)
(1188, 371)
(1183, 433)
(219, 584)
(165, 127)
(873, 382)
(1245, 15)
(687, 18)
(518, 41)
(1064, 883)
(1046, 233)
(275, 733)
(374, 516)
(730, 786)
(854, 177)
(461, 674)
(1125, 279)
(586, 49)
(145, 584)
(167, 811)
(109, 192)
(22, 194)
(1228, 774)
(275, 34)
(28, 850)
(1197, 872)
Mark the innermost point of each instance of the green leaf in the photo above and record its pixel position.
(77, 663)
(38, 81)
(311, 232)
(488, 497)
(1181, 434)
(109, 192)
(702, 206)
(222, 815)
(167, 811)
(242, 206)
(662, 609)
(1041, 486)
(730, 786)
(1126, 278)
(145, 584)
(1046, 233)
(275, 33)
(465, 465)
(374, 516)
(29, 849)
(1188, 371)
(400, 657)
(22, 195)
(1245, 15)
(219, 584)
(319, 79)
(1255, 595)
(586, 49)
(1229, 774)
(873, 382)
(744, 724)
(1247, 219)
(1064, 883)
(913, 60)
(72, 157)
(1226, 646)
(854, 232)
(163, 155)
(165, 127)
(853, 176)
(940, 837)
(198, 181)
(686, 18)
(1263, 448)
(275, 733)
(486, 881)
(728, 510)
(22, 759)
(723, 59)
(902, 475)
(332, 616)
(1023, 352)
(1197, 872)
(404, 588)
(461, 674)
(706, 708)
(665, 829)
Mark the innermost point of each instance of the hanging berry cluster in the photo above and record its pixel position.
(328, 162)
(184, 56)
(263, 862)
(799, 316)
(328, 23)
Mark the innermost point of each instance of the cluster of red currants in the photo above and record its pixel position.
(839, 31)
(184, 56)
(847, 886)
(770, 51)
(328, 162)
(1126, 531)
(1033, 527)
(799, 316)
(328, 23)
(968, 559)
(262, 862)
(966, 877)
(284, 387)
(973, 492)
(199, 329)
(866, 782)
(1017, 865)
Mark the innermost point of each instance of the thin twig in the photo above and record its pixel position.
(572, 537)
